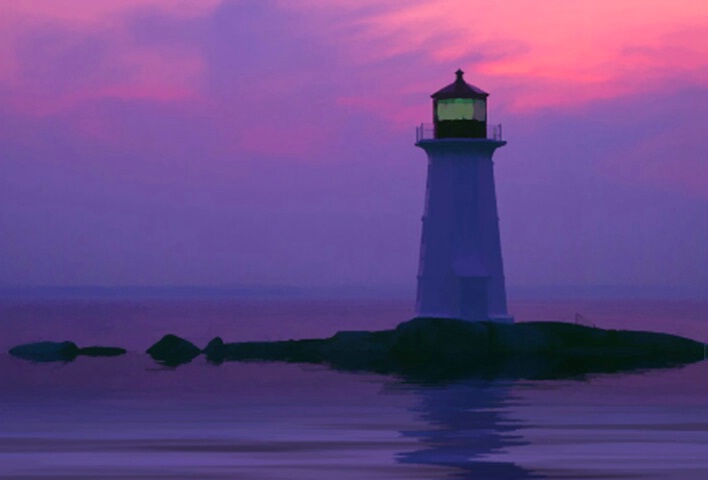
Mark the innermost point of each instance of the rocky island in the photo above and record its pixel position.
(439, 348)
(432, 348)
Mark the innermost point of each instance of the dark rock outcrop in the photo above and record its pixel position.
(172, 350)
(61, 351)
(46, 351)
(436, 348)
(215, 351)
(444, 347)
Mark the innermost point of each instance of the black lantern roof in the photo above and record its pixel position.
(460, 89)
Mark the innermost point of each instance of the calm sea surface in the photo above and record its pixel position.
(128, 418)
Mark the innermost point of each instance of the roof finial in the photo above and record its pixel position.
(459, 74)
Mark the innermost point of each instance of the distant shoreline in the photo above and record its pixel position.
(335, 293)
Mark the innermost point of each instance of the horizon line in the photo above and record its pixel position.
(394, 292)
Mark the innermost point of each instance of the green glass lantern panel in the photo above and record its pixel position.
(456, 109)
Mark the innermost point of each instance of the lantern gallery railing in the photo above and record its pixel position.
(494, 132)
(426, 131)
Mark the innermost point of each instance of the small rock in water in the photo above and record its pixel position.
(214, 350)
(46, 351)
(172, 350)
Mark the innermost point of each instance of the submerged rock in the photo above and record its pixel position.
(172, 350)
(102, 351)
(46, 351)
(296, 351)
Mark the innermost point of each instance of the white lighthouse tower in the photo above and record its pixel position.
(460, 272)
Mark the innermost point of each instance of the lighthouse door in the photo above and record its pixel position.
(473, 298)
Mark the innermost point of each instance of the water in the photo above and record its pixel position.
(128, 418)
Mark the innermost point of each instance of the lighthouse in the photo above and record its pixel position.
(460, 273)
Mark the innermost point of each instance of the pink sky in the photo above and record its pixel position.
(230, 142)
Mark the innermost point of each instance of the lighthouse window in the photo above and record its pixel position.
(456, 109)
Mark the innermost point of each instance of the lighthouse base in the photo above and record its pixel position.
(501, 318)
(463, 296)
(508, 319)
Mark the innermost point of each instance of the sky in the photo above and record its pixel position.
(264, 142)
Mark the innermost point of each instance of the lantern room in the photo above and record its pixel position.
(460, 110)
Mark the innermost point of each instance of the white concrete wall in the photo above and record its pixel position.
(460, 238)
